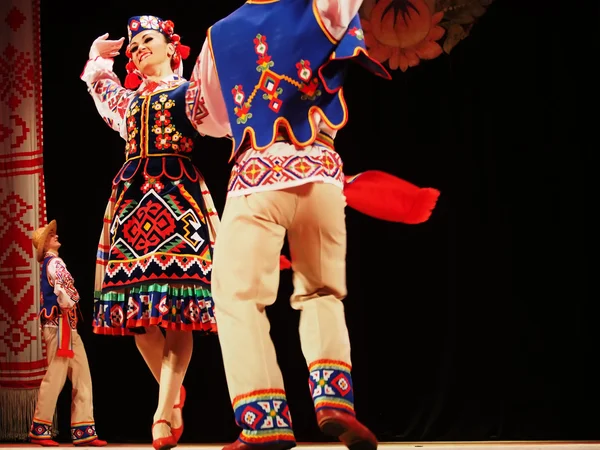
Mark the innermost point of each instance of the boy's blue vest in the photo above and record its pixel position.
(49, 301)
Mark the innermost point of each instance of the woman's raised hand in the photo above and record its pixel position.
(105, 48)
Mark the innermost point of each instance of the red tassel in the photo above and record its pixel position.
(132, 81)
(65, 353)
(284, 263)
(383, 196)
(64, 343)
(183, 50)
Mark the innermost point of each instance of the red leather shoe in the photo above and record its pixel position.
(239, 445)
(163, 443)
(177, 432)
(45, 442)
(347, 429)
(95, 443)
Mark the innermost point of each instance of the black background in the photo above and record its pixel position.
(476, 325)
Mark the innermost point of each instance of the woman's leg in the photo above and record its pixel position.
(151, 346)
(174, 363)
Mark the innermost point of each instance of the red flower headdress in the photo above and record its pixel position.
(138, 24)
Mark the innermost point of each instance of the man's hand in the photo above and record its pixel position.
(64, 304)
(105, 48)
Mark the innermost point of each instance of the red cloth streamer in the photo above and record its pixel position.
(183, 50)
(384, 196)
(65, 345)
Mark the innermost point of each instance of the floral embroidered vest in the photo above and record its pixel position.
(160, 138)
(277, 64)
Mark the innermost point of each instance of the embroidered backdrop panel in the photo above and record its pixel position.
(22, 209)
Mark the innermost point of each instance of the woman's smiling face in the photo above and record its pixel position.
(150, 48)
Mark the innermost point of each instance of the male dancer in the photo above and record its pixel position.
(280, 65)
(64, 347)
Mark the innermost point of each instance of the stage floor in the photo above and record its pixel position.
(508, 445)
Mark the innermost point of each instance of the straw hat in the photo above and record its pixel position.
(39, 237)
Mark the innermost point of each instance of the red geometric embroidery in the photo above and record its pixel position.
(20, 137)
(194, 101)
(64, 279)
(150, 225)
(17, 73)
(13, 285)
(256, 169)
(270, 83)
(17, 128)
(192, 312)
(19, 338)
(341, 384)
(116, 316)
(4, 132)
(251, 417)
(22, 358)
(15, 273)
(133, 308)
(15, 18)
(162, 306)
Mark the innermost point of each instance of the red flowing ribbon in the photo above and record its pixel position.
(386, 197)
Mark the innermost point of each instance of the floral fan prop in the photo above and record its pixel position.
(403, 32)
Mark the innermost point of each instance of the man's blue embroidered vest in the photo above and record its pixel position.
(277, 64)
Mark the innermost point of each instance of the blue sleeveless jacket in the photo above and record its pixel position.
(277, 64)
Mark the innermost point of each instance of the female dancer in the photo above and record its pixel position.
(155, 251)
(154, 257)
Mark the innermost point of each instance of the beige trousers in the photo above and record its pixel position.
(83, 428)
(245, 280)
